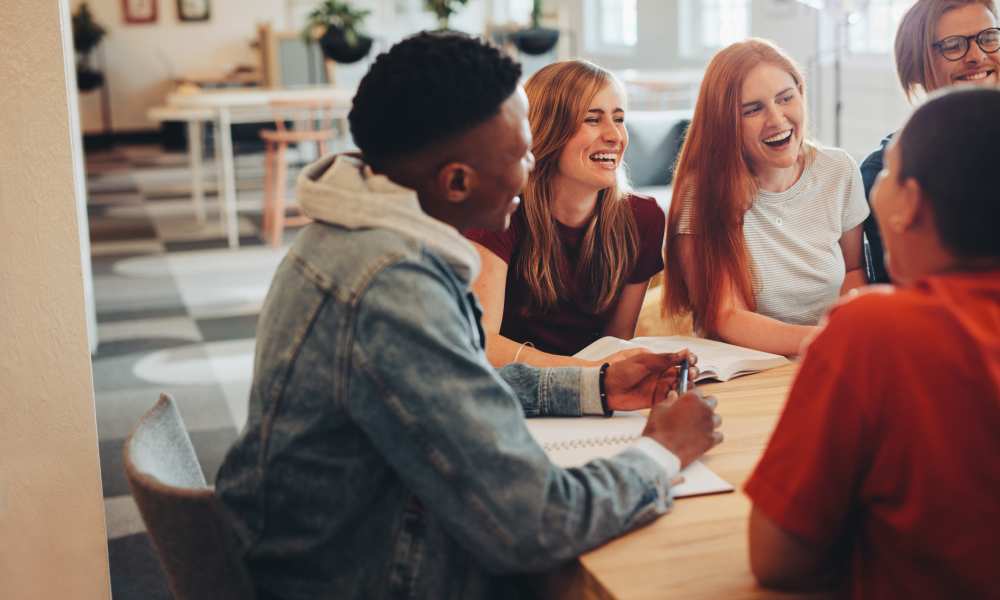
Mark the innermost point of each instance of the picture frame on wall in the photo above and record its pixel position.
(194, 10)
(139, 11)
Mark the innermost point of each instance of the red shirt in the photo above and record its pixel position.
(569, 327)
(890, 441)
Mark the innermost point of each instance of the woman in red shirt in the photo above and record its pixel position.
(576, 261)
(881, 476)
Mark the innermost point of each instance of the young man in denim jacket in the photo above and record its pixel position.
(383, 455)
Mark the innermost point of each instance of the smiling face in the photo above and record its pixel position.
(773, 118)
(976, 67)
(590, 159)
(503, 160)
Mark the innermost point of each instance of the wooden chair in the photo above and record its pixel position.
(652, 321)
(183, 516)
(313, 122)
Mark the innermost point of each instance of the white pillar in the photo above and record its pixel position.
(51, 508)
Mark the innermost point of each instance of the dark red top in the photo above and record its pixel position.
(888, 445)
(569, 327)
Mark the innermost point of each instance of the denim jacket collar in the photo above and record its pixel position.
(342, 190)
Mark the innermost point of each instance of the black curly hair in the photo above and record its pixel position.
(427, 88)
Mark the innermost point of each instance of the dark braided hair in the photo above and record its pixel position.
(428, 88)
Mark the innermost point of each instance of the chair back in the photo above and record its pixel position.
(182, 514)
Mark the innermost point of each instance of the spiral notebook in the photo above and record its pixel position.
(572, 442)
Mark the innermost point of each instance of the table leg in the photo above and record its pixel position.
(227, 192)
(197, 182)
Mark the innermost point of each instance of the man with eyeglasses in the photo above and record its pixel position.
(939, 43)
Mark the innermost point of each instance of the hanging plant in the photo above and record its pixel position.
(87, 34)
(444, 9)
(336, 25)
(535, 39)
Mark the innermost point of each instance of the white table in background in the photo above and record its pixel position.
(225, 107)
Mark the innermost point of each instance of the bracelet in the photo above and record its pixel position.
(521, 347)
(604, 394)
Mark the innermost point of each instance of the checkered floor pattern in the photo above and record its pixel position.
(176, 312)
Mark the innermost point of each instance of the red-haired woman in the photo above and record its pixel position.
(764, 230)
(576, 261)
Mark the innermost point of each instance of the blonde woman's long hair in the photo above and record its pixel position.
(559, 96)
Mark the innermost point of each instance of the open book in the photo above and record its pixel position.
(716, 360)
(572, 442)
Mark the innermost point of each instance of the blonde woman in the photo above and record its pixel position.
(576, 261)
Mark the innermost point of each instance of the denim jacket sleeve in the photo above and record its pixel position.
(454, 431)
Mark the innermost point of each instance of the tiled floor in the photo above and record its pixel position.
(176, 313)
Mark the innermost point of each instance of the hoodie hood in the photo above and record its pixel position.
(342, 190)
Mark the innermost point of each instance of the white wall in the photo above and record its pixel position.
(141, 60)
(872, 100)
(51, 509)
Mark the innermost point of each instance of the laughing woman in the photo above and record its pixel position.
(765, 227)
(576, 261)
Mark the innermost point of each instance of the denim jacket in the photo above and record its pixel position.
(383, 456)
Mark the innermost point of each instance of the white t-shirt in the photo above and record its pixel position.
(793, 237)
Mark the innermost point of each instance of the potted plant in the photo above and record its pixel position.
(87, 34)
(444, 9)
(335, 24)
(536, 39)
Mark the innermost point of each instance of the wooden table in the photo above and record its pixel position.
(225, 107)
(699, 549)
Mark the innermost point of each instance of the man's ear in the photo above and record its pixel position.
(457, 181)
(911, 209)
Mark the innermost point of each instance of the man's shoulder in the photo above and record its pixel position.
(333, 256)
(885, 314)
(874, 160)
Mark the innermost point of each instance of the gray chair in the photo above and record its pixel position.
(655, 140)
(180, 510)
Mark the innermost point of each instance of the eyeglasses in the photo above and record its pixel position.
(955, 47)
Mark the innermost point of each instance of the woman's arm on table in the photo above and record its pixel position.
(626, 312)
(740, 325)
(851, 247)
(490, 287)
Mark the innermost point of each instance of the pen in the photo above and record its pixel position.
(682, 377)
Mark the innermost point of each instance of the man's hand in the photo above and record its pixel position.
(642, 380)
(685, 425)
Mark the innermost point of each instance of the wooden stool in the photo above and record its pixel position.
(312, 122)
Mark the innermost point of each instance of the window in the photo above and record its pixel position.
(707, 25)
(873, 29)
(611, 25)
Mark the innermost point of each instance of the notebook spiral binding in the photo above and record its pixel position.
(610, 440)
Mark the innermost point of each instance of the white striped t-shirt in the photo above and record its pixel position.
(793, 237)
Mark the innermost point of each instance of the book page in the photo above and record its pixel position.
(573, 442)
(716, 360)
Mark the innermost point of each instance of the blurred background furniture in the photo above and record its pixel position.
(287, 60)
(655, 140)
(183, 516)
(223, 108)
(296, 122)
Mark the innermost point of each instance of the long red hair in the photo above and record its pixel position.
(713, 171)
